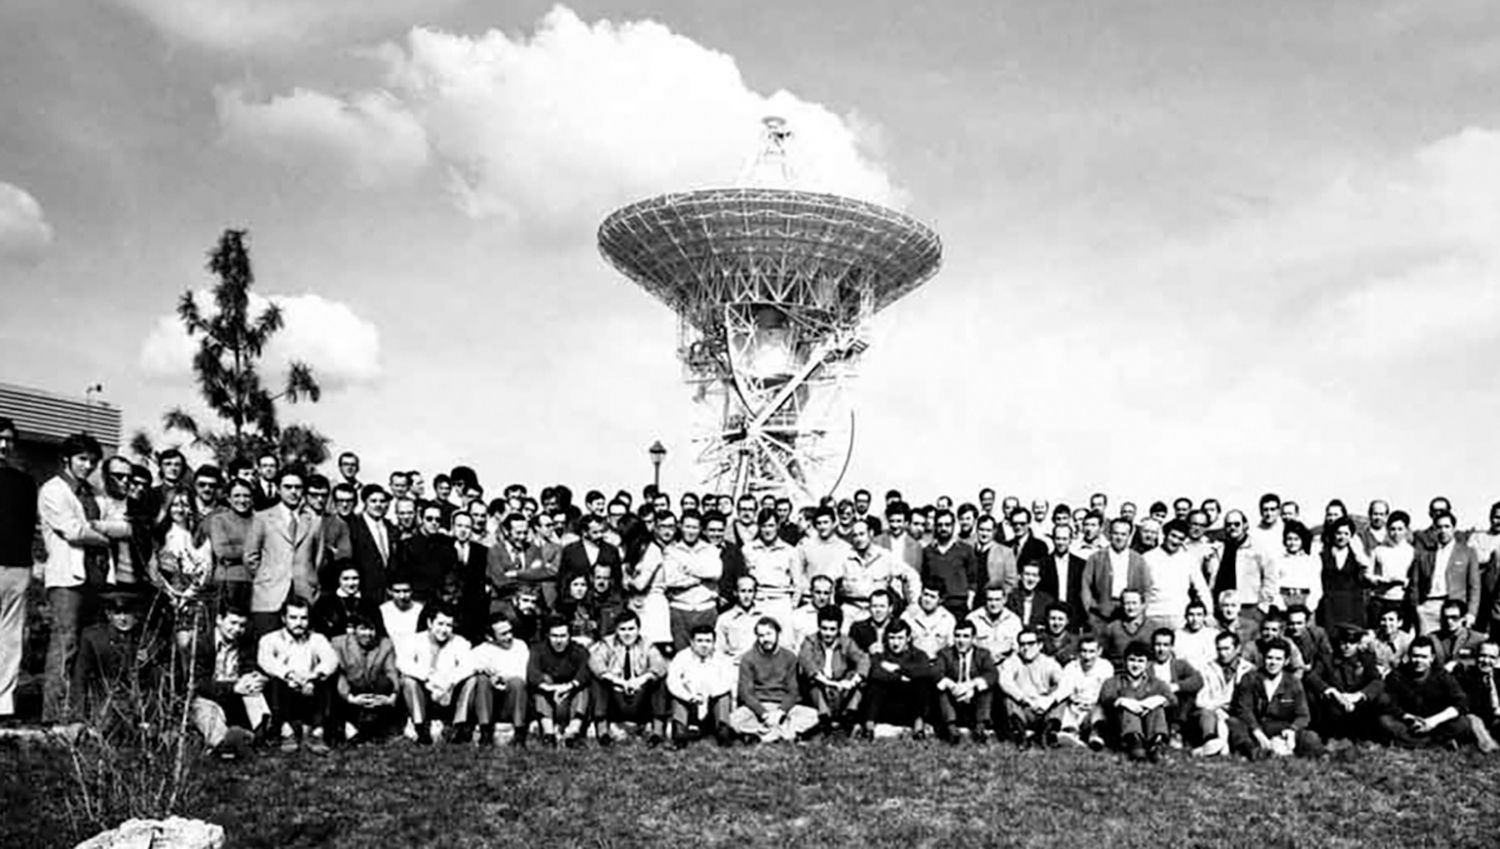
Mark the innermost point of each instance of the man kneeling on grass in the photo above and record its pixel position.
(768, 709)
(367, 683)
(1135, 706)
(438, 678)
(501, 661)
(628, 676)
(1270, 714)
(299, 665)
(700, 681)
(558, 676)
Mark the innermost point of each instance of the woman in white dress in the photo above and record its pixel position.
(646, 579)
(1300, 578)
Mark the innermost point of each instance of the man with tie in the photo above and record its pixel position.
(372, 540)
(965, 687)
(580, 556)
(1029, 602)
(283, 553)
(267, 480)
(1065, 568)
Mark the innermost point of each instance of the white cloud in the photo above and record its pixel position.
(249, 25)
(369, 137)
(24, 231)
(553, 130)
(342, 348)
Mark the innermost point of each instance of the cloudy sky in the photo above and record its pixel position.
(1190, 248)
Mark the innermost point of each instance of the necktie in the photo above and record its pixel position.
(1494, 697)
(963, 669)
(291, 527)
(629, 667)
(463, 553)
(382, 542)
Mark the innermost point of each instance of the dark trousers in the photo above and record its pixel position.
(70, 609)
(562, 709)
(1242, 739)
(1331, 721)
(507, 705)
(370, 722)
(646, 704)
(834, 704)
(1394, 730)
(1123, 724)
(977, 712)
(897, 702)
(301, 710)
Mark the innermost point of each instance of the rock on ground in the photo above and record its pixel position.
(171, 833)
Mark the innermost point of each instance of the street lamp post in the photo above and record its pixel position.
(658, 453)
(88, 406)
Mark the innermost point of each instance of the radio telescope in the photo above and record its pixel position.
(774, 288)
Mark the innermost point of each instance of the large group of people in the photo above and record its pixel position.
(309, 611)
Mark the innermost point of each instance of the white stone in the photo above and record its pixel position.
(171, 833)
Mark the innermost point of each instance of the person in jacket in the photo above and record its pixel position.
(557, 674)
(629, 676)
(1135, 704)
(1344, 689)
(1270, 715)
(901, 686)
(966, 683)
(1424, 706)
(833, 669)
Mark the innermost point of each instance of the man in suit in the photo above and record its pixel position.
(513, 554)
(283, 553)
(267, 480)
(372, 542)
(1029, 601)
(334, 530)
(1110, 572)
(1026, 546)
(967, 679)
(1062, 573)
(580, 557)
(427, 556)
(1270, 713)
(1448, 570)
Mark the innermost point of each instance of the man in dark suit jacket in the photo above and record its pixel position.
(966, 681)
(1270, 714)
(1481, 685)
(372, 543)
(1099, 600)
(1029, 602)
(580, 557)
(1027, 547)
(1063, 575)
(427, 557)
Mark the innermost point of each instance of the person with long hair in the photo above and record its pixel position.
(182, 564)
(645, 578)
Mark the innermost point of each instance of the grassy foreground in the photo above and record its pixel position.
(891, 793)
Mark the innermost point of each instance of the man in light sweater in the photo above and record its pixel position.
(692, 568)
(1032, 685)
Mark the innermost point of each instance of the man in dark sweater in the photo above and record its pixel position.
(768, 690)
(952, 563)
(1424, 706)
(558, 676)
(18, 515)
(901, 687)
(1343, 689)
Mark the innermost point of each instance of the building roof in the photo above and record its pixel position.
(49, 417)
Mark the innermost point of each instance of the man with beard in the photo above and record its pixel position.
(950, 565)
(768, 710)
(299, 664)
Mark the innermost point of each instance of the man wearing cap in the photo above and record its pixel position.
(1343, 689)
(111, 657)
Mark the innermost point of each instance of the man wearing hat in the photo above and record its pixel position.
(1343, 688)
(114, 656)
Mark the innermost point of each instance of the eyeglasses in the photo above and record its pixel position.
(430, 518)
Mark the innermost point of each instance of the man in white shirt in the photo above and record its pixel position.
(1195, 640)
(692, 567)
(700, 681)
(1082, 721)
(438, 678)
(1175, 577)
(1268, 533)
(995, 625)
(869, 568)
(299, 664)
(500, 662)
(804, 622)
(1214, 702)
(400, 613)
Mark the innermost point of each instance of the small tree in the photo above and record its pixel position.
(231, 343)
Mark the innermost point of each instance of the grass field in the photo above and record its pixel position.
(891, 793)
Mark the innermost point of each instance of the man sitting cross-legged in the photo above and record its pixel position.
(1032, 684)
(228, 702)
(501, 662)
(367, 684)
(1343, 689)
(437, 677)
(1181, 677)
(701, 680)
(299, 666)
(901, 686)
(965, 687)
(833, 668)
(1270, 713)
(1424, 705)
(1135, 706)
(557, 674)
(768, 708)
(628, 675)
(1083, 680)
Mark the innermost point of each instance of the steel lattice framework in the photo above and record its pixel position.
(774, 289)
